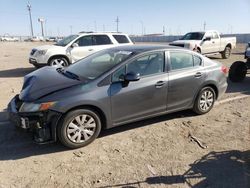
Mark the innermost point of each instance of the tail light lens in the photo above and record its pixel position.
(224, 69)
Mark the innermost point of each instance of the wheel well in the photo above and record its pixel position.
(229, 45)
(55, 56)
(94, 108)
(214, 88)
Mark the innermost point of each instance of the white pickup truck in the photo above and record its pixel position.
(208, 42)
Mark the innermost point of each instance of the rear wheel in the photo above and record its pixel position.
(204, 101)
(237, 71)
(58, 62)
(226, 53)
(79, 128)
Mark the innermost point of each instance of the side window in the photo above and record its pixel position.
(197, 61)
(101, 40)
(85, 41)
(148, 64)
(215, 35)
(209, 34)
(119, 74)
(121, 39)
(180, 60)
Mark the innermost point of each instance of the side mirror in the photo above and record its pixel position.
(131, 77)
(74, 45)
(207, 39)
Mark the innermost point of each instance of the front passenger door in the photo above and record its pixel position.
(84, 48)
(140, 98)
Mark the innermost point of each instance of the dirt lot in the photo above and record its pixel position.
(159, 152)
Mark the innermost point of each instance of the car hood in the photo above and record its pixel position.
(48, 47)
(44, 81)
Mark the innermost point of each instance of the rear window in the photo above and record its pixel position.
(121, 39)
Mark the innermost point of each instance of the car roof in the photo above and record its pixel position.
(100, 33)
(144, 48)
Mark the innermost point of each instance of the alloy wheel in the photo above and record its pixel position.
(206, 100)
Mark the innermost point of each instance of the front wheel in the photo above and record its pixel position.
(204, 101)
(58, 62)
(79, 128)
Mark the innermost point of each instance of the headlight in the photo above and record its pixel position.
(41, 52)
(33, 107)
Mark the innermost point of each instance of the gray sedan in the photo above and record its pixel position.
(115, 87)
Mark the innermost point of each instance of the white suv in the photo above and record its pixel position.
(75, 47)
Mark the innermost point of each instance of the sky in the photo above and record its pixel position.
(136, 17)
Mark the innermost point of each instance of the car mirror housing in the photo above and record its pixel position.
(74, 45)
(131, 77)
(207, 39)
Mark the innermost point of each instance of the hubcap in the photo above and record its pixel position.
(58, 63)
(206, 100)
(81, 128)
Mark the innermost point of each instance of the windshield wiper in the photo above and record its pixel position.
(72, 75)
(67, 74)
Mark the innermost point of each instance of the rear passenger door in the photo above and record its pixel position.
(186, 75)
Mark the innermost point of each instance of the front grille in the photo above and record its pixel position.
(33, 51)
(179, 45)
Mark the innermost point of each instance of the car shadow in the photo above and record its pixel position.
(18, 72)
(17, 144)
(228, 169)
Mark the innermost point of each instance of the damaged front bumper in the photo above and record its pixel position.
(43, 124)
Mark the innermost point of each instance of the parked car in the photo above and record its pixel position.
(51, 39)
(75, 47)
(209, 42)
(9, 39)
(238, 69)
(113, 87)
(37, 39)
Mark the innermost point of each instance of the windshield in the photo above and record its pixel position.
(96, 64)
(193, 36)
(66, 40)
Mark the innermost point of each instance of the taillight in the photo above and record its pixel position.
(224, 69)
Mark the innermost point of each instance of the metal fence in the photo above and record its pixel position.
(241, 38)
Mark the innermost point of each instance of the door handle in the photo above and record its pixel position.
(91, 49)
(198, 75)
(159, 84)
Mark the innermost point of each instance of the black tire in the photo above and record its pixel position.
(64, 61)
(237, 71)
(197, 105)
(63, 128)
(226, 53)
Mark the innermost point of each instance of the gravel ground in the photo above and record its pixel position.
(175, 150)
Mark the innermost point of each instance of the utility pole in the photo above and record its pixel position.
(41, 20)
(31, 26)
(204, 26)
(142, 27)
(70, 29)
(117, 24)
